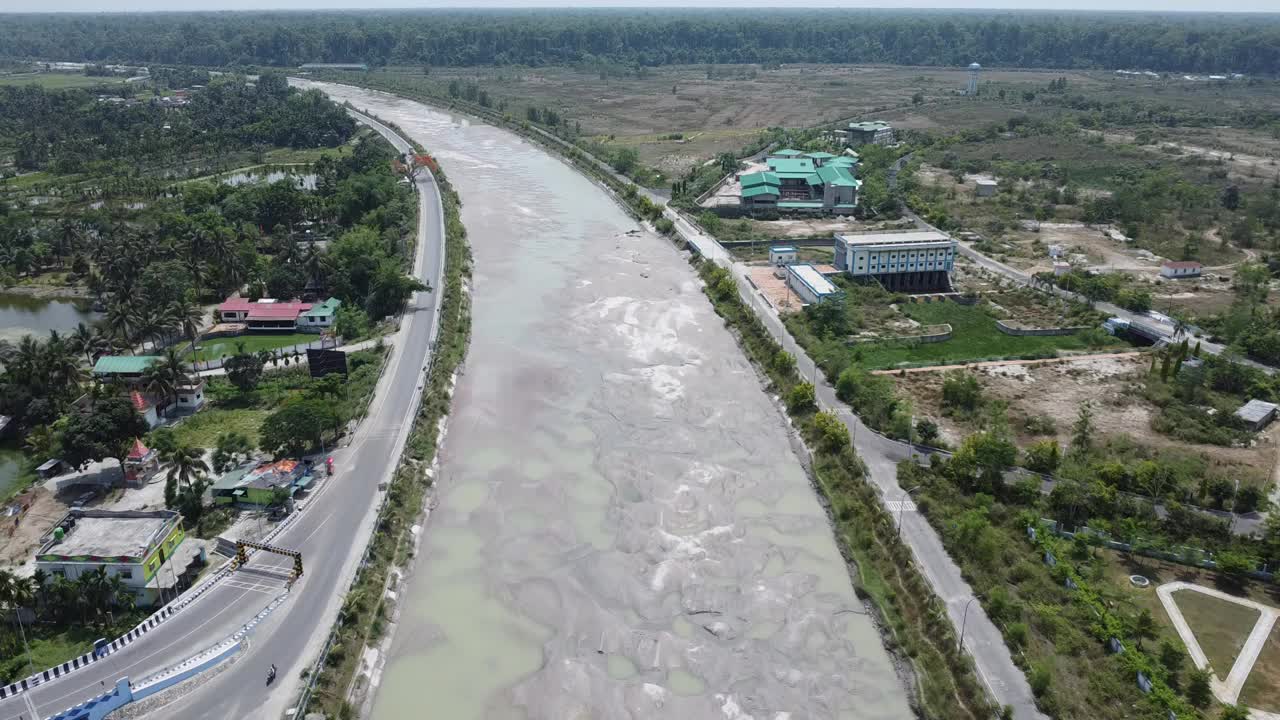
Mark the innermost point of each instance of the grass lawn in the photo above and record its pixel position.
(203, 428)
(53, 644)
(58, 81)
(974, 337)
(214, 349)
(1262, 689)
(1220, 627)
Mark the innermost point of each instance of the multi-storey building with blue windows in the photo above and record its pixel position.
(911, 260)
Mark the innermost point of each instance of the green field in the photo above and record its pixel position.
(215, 349)
(974, 337)
(203, 428)
(1220, 627)
(58, 81)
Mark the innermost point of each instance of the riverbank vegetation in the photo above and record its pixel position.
(366, 612)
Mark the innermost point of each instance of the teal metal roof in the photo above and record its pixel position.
(325, 309)
(123, 364)
(759, 190)
(760, 178)
(819, 155)
(838, 176)
(814, 179)
(798, 204)
(847, 162)
(791, 165)
(787, 153)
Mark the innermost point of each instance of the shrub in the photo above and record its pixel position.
(1040, 425)
(961, 393)
(1040, 679)
(833, 436)
(1043, 457)
(1017, 634)
(801, 398)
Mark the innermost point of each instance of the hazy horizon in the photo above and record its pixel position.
(141, 6)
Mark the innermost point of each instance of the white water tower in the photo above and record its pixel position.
(972, 87)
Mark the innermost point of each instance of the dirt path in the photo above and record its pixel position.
(993, 363)
(1228, 690)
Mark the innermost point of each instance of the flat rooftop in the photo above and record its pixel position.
(810, 276)
(1256, 410)
(100, 533)
(890, 239)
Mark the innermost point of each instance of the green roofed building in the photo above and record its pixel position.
(320, 317)
(802, 182)
(123, 367)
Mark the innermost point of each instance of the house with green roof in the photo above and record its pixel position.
(802, 182)
(123, 367)
(320, 317)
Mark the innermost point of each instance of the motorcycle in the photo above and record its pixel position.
(271, 675)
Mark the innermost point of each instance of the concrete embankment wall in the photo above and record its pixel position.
(1013, 330)
(944, 333)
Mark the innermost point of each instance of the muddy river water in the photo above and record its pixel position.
(623, 528)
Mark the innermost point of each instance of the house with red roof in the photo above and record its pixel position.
(264, 315)
(146, 407)
(1174, 269)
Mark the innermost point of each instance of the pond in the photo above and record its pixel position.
(25, 315)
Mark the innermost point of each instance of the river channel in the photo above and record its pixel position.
(623, 528)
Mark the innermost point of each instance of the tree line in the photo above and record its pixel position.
(1183, 42)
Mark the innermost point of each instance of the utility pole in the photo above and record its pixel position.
(964, 621)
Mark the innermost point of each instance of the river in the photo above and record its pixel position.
(623, 528)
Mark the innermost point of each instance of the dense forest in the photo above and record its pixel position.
(67, 131)
(1175, 43)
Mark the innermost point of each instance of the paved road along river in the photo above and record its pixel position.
(624, 530)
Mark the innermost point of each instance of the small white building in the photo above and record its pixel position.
(985, 186)
(1177, 269)
(191, 396)
(1057, 251)
(780, 257)
(1061, 268)
(809, 284)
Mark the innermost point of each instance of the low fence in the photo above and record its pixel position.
(1182, 554)
(1014, 329)
(941, 333)
(278, 354)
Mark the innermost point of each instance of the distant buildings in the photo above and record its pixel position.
(319, 317)
(911, 260)
(335, 66)
(802, 182)
(870, 132)
(809, 284)
(985, 186)
(1177, 269)
(131, 545)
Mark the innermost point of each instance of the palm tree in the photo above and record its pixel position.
(187, 317)
(166, 375)
(122, 320)
(187, 465)
(86, 339)
(62, 364)
(41, 441)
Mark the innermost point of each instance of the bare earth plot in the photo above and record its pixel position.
(1057, 389)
